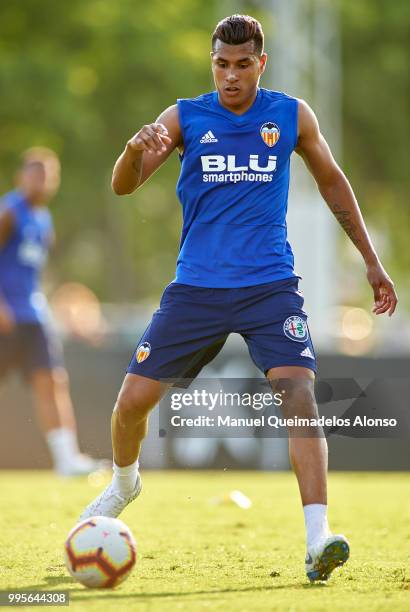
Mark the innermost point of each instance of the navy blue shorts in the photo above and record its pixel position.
(29, 347)
(193, 323)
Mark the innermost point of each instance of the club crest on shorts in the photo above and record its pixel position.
(270, 133)
(296, 329)
(143, 351)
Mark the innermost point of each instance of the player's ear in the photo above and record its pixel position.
(262, 64)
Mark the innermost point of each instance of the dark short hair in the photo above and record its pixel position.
(239, 29)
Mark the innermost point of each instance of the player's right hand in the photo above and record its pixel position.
(152, 138)
(7, 322)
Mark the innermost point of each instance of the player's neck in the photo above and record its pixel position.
(243, 107)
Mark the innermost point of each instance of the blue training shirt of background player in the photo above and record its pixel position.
(22, 258)
(233, 187)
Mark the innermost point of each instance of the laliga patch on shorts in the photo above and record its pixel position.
(143, 351)
(296, 329)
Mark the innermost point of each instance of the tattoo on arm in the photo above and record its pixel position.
(345, 219)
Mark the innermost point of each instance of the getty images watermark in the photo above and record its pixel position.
(210, 400)
(250, 407)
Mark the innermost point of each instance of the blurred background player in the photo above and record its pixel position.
(26, 340)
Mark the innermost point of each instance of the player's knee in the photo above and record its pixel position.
(60, 378)
(60, 375)
(299, 399)
(131, 407)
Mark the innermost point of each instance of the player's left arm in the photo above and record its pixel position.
(338, 194)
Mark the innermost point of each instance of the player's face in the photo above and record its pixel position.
(36, 182)
(237, 70)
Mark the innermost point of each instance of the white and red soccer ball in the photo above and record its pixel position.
(100, 552)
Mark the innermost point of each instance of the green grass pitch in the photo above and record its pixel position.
(195, 555)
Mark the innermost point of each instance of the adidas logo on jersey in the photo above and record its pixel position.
(208, 137)
(307, 353)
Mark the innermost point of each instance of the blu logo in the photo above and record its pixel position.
(219, 163)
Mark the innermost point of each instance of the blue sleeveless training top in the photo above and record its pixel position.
(23, 257)
(233, 188)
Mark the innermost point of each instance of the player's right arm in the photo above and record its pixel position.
(6, 230)
(146, 151)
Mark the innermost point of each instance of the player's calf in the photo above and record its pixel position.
(137, 397)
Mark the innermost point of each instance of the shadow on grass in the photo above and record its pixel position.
(78, 593)
(78, 596)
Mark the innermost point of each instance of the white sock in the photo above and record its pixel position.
(124, 478)
(317, 527)
(62, 444)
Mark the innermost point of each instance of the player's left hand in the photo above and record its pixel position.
(385, 297)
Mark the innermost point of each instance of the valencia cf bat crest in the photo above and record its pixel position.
(143, 352)
(270, 133)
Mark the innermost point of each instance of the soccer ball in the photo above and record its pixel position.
(100, 552)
